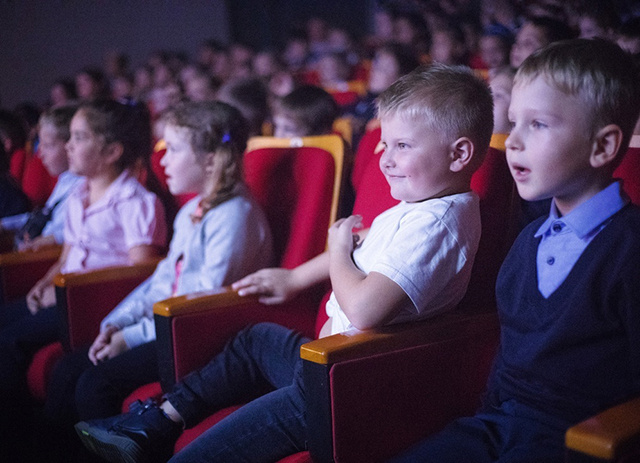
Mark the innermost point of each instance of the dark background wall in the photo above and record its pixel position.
(267, 23)
(42, 40)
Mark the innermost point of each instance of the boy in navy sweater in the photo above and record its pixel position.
(568, 293)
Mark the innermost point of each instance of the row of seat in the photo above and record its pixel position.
(448, 358)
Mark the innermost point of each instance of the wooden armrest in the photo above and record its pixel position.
(201, 302)
(23, 257)
(352, 345)
(608, 434)
(107, 274)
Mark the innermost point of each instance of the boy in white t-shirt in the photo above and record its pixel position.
(413, 262)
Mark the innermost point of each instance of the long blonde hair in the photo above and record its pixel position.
(218, 128)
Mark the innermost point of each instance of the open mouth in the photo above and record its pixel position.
(519, 171)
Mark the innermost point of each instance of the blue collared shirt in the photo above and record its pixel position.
(565, 238)
(65, 183)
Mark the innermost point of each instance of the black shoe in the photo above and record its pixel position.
(145, 434)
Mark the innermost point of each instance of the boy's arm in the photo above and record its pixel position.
(368, 300)
(277, 285)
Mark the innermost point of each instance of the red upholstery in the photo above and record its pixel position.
(36, 182)
(18, 163)
(498, 205)
(365, 153)
(41, 369)
(19, 271)
(76, 296)
(294, 186)
(422, 378)
(629, 170)
(412, 390)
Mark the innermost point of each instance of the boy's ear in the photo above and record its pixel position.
(462, 151)
(606, 145)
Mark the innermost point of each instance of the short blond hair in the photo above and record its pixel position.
(450, 100)
(598, 72)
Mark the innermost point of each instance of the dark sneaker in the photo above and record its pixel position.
(145, 434)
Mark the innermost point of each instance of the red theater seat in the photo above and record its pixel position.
(446, 359)
(294, 185)
(629, 170)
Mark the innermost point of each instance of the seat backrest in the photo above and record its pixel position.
(37, 184)
(629, 170)
(297, 182)
(498, 205)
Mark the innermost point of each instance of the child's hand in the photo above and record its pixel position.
(36, 243)
(41, 295)
(108, 344)
(341, 237)
(273, 285)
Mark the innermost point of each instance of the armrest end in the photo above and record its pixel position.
(608, 434)
(200, 302)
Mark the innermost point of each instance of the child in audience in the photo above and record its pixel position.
(12, 199)
(92, 84)
(629, 37)
(501, 84)
(568, 294)
(45, 227)
(111, 220)
(495, 46)
(448, 45)
(598, 19)
(219, 237)
(413, 262)
(390, 62)
(250, 97)
(535, 33)
(13, 137)
(307, 110)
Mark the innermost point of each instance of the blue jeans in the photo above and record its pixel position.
(507, 433)
(264, 357)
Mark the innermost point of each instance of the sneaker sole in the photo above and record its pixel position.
(113, 448)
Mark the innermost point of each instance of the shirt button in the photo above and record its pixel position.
(557, 227)
(551, 260)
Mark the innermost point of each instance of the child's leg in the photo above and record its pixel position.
(264, 356)
(509, 433)
(102, 388)
(267, 429)
(260, 358)
(466, 439)
(60, 408)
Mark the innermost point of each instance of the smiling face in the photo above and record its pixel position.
(52, 150)
(415, 161)
(184, 173)
(550, 145)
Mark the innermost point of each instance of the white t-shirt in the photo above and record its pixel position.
(427, 248)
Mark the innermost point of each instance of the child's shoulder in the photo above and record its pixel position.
(444, 208)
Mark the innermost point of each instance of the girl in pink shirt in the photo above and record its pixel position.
(219, 236)
(111, 220)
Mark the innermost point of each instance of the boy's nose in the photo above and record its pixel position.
(512, 142)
